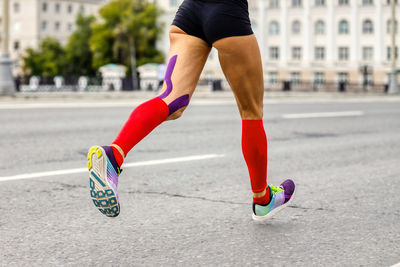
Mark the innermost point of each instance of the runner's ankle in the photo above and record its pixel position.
(117, 151)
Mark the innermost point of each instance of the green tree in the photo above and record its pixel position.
(47, 60)
(78, 54)
(126, 24)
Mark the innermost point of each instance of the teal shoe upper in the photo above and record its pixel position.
(277, 199)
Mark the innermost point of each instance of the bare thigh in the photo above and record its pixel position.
(191, 54)
(241, 63)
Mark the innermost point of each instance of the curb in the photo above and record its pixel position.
(197, 95)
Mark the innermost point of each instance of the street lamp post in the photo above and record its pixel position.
(393, 85)
(7, 86)
(132, 50)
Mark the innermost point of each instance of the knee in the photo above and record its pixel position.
(176, 115)
(177, 106)
(252, 112)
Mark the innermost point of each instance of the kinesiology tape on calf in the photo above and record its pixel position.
(181, 101)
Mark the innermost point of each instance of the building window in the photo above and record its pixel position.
(273, 77)
(296, 52)
(296, 27)
(368, 26)
(57, 26)
(295, 78)
(344, 2)
(16, 7)
(319, 78)
(319, 27)
(44, 7)
(44, 25)
(16, 45)
(367, 2)
(319, 53)
(82, 9)
(274, 3)
(274, 28)
(343, 27)
(367, 76)
(389, 26)
(389, 53)
(69, 27)
(69, 9)
(319, 2)
(389, 2)
(274, 53)
(343, 77)
(343, 53)
(369, 79)
(368, 53)
(296, 3)
(17, 26)
(57, 8)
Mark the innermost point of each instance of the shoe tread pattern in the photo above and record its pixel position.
(103, 196)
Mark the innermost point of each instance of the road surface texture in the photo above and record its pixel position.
(343, 155)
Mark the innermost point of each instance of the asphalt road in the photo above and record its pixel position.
(346, 211)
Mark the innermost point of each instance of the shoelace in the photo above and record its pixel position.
(275, 189)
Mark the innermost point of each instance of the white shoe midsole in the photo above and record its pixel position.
(273, 212)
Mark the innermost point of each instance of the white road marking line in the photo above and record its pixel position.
(323, 115)
(396, 265)
(128, 165)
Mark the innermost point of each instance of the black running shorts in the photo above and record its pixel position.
(212, 20)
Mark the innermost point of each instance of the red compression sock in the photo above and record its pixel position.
(141, 122)
(254, 147)
(264, 200)
(117, 155)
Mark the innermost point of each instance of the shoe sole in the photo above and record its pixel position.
(272, 213)
(102, 194)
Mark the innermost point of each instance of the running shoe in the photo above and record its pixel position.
(103, 178)
(280, 198)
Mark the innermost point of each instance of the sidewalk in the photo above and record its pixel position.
(199, 97)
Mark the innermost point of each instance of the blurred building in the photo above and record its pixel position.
(319, 41)
(33, 20)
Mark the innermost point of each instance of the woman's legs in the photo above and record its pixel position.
(241, 63)
(187, 57)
